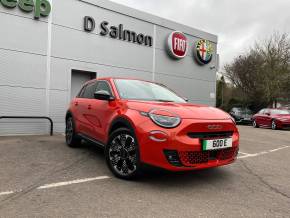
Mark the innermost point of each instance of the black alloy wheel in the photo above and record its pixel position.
(122, 154)
(72, 140)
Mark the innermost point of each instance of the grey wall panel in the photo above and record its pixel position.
(17, 101)
(18, 33)
(186, 67)
(22, 69)
(17, 127)
(57, 109)
(78, 10)
(59, 127)
(61, 72)
(119, 72)
(59, 76)
(194, 90)
(58, 105)
(72, 44)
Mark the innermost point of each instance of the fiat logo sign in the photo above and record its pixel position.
(177, 45)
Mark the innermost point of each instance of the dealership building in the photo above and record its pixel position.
(48, 49)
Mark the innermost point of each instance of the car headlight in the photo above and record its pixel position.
(164, 118)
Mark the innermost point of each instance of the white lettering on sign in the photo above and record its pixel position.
(179, 44)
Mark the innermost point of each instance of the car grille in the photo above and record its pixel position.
(189, 158)
(204, 135)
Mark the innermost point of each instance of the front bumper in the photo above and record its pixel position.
(283, 124)
(175, 150)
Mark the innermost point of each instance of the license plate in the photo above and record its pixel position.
(215, 144)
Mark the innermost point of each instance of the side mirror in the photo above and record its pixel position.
(185, 99)
(103, 95)
(268, 114)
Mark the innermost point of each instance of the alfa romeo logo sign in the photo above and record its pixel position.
(203, 51)
(177, 45)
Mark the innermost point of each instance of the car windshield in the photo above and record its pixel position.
(280, 112)
(147, 91)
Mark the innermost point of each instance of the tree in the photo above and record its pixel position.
(263, 74)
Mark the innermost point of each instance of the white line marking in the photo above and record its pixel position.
(6, 193)
(277, 149)
(261, 153)
(243, 153)
(77, 181)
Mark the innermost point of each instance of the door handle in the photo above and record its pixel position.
(89, 107)
(76, 103)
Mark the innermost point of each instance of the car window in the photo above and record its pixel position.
(103, 85)
(262, 111)
(89, 90)
(147, 91)
(81, 92)
(280, 112)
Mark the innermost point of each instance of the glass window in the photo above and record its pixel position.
(279, 112)
(81, 92)
(266, 111)
(262, 111)
(103, 85)
(90, 90)
(146, 91)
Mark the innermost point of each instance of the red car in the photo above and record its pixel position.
(143, 123)
(273, 118)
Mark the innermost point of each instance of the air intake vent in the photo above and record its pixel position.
(204, 135)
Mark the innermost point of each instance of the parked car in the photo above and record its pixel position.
(242, 115)
(143, 123)
(274, 118)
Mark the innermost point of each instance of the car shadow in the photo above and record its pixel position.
(161, 178)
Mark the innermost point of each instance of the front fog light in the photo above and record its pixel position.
(158, 136)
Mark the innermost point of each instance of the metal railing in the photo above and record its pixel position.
(31, 117)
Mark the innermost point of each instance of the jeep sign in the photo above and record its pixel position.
(38, 7)
(177, 45)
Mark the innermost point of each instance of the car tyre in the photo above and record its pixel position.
(72, 140)
(255, 125)
(122, 154)
(273, 125)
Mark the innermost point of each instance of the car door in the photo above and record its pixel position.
(259, 117)
(76, 109)
(267, 118)
(101, 112)
(83, 104)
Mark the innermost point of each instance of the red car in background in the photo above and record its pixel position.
(140, 122)
(273, 118)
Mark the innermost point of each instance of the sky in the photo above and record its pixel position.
(237, 23)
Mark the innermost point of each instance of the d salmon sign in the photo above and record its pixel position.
(203, 51)
(177, 45)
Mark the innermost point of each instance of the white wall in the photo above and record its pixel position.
(24, 49)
